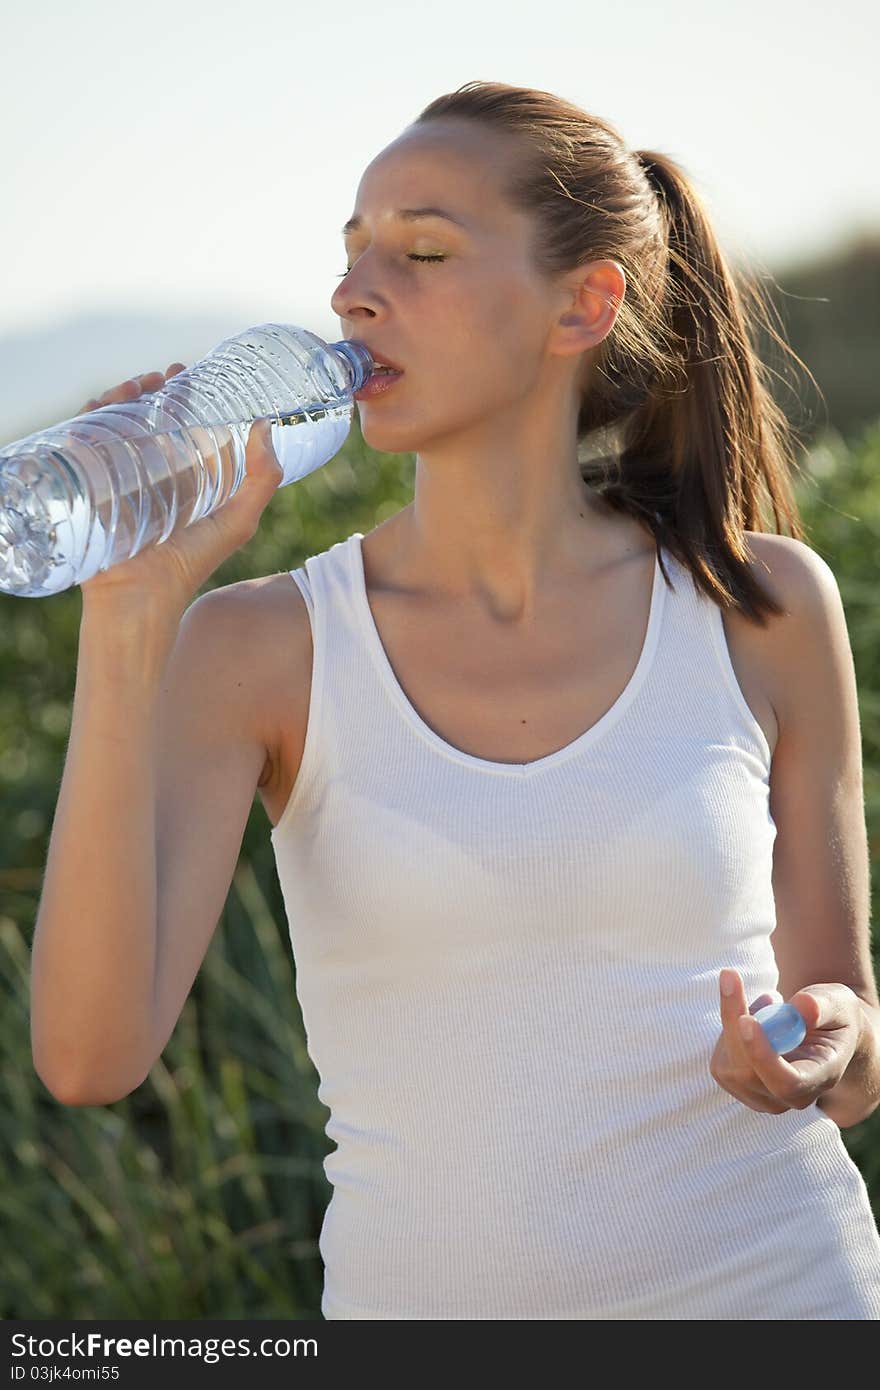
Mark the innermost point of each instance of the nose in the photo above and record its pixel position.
(352, 297)
(340, 302)
(347, 313)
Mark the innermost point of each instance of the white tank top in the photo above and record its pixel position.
(508, 976)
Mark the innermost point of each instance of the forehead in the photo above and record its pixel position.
(454, 165)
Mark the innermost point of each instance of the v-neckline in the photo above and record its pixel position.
(588, 739)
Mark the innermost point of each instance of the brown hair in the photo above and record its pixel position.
(679, 377)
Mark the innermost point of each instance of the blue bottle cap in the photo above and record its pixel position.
(784, 1026)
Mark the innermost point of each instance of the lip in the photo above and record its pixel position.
(377, 386)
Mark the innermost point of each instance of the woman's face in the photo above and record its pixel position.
(469, 330)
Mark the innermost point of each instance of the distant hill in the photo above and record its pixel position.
(46, 374)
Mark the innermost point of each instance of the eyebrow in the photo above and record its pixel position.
(407, 215)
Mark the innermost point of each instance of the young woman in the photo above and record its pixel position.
(550, 756)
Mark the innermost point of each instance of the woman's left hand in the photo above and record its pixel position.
(750, 1069)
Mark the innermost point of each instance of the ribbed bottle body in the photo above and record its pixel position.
(94, 490)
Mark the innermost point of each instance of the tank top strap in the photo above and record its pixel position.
(340, 673)
(694, 665)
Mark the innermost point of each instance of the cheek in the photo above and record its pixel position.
(488, 333)
(518, 326)
(496, 313)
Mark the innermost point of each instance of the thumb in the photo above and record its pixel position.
(263, 472)
(261, 460)
(240, 514)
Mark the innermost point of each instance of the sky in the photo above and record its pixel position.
(202, 157)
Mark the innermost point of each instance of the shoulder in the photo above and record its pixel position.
(806, 649)
(801, 581)
(793, 573)
(254, 611)
(271, 616)
(265, 648)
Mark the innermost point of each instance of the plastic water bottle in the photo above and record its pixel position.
(784, 1026)
(94, 490)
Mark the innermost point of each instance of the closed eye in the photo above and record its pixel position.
(411, 255)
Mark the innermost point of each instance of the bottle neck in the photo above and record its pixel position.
(356, 359)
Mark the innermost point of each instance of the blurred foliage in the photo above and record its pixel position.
(839, 502)
(202, 1194)
(829, 310)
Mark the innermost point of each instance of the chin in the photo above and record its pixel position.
(385, 435)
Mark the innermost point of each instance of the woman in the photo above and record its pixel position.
(577, 740)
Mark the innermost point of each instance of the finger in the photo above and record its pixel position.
(757, 1098)
(263, 476)
(733, 1000)
(753, 1047)
(780, 1079)
(818, 1008)
(151, 381)
(135, 386)
(764, 1104)
(131, 389)
(260, 450)
(126, 390)
(734, 1006)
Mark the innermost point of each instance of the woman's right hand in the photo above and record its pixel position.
(165, 577)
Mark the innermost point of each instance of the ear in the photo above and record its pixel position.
(593, 294)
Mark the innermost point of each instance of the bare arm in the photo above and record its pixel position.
(165, 756)
(94, 949)
(163, 734)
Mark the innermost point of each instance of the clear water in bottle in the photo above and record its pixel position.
(94, 490)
